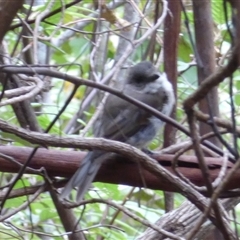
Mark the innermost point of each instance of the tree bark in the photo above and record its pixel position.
(117, 171)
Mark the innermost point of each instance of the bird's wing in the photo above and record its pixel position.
(121, 119)
(123, 122)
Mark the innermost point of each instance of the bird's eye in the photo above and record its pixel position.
(154, 77)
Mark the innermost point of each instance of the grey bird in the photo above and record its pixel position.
(125, 122)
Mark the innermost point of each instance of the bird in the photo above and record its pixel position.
(123, 121)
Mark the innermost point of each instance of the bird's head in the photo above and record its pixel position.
(142, 73)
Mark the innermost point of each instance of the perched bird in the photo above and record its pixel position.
(125, 122)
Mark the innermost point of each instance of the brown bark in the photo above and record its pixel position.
(205, 56)
(117, 171)
(182, 220)
(171, 37)
(8, 10)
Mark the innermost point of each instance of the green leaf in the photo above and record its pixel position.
(237, 99)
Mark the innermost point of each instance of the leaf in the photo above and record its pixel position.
(237, 99)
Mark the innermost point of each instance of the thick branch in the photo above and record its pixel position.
(117, 171)
(8, 11)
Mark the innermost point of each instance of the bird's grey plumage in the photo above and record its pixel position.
(125, 122)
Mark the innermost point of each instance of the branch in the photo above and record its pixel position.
(8, 11)
(116, 171)
(213, 80)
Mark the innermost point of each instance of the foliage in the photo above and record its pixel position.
(72, 55)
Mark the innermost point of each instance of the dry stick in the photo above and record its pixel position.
(24, 205)
(174, 165)
(218, 121)
(198, 150)
(23, 110)
(36, 30)
(17, 91)
(212, 81)
(34, 91)
(55, 11)
(223, 226)
(187, 146)
(126, 198)
(128, 213)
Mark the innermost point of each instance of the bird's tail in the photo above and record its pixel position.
(84, 176)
